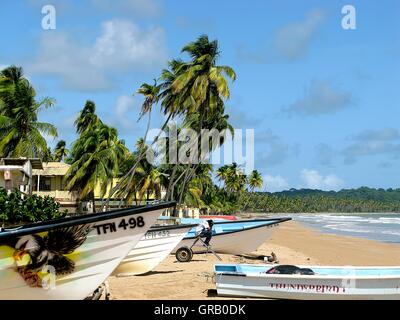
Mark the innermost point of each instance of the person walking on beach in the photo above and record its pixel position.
(204, 229)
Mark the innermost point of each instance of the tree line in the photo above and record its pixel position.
(362, 199)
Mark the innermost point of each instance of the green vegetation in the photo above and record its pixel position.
(15, 209)
(307, 200)
(95, 156)
(192, 92)
(21, 134)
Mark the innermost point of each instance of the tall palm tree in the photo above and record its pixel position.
(21, 134)
(254, 180)
(96, 157)
(87, 117)
(202, 85)
(196, 86)
(60, 151)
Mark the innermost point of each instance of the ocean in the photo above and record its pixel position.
(375, 226)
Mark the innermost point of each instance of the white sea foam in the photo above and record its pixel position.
(346, 228)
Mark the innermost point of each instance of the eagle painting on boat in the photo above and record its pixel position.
(33, 253)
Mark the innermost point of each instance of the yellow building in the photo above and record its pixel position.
(49, 181)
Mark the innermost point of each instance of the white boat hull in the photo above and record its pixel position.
(94, 260)
(243, 241)
(150, 251)
(309, 287)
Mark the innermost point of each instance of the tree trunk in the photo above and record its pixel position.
(94, 202)
(132, 170)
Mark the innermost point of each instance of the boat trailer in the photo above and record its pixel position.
(185, 253)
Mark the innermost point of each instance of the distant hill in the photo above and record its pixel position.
(359, 193)
(362, 199)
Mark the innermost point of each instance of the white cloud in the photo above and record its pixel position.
(122, 44)
(60, 56)
(275, 183)
(291, 42)
(121, 47)
(273, 149)
(122, 105)
(124, 113)
(312, 179)
(321, 97)
(373, 142)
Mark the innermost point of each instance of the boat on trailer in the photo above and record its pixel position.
(69, 258)
(326, 282)
(151, 250)
(234, 237)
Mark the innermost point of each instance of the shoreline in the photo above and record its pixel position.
(292, 242)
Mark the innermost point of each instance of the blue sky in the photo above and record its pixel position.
(323, 101)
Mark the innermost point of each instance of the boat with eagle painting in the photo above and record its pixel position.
(308, 282)
(69, 258)
(152, 249)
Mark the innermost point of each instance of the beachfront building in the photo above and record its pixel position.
(16, 173)
(183, 212)
(49, 181)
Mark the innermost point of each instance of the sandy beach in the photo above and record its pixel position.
(292, 242)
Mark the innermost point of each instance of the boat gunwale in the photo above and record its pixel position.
(315, 276)
(246, 229)
(305, 276)
(248, 220)
(81, 219)
(171, 227)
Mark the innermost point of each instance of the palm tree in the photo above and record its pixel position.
(202, 85)
(60, 151)
(21, 134)
(197, 86)
(87, 117)
(95, 157)
(255, 180)
(233, 177)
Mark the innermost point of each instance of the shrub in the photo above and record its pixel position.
(15, 209)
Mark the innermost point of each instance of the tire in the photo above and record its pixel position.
(184, 254)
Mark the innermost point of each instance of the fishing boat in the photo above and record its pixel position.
(151, 250)
(69, 258)
(234, 237)
(331, 283)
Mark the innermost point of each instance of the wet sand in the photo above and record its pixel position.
(292, 242)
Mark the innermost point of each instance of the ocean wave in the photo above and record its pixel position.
(346, 228)
(392, 233)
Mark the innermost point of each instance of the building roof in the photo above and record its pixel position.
(52, 169)
(35, 162)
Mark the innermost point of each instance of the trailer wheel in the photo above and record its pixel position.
(184, 254)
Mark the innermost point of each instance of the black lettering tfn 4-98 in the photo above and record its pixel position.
(106, 227)
(130, 223)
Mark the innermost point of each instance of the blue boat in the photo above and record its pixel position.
(234, 237)
(318, 282)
